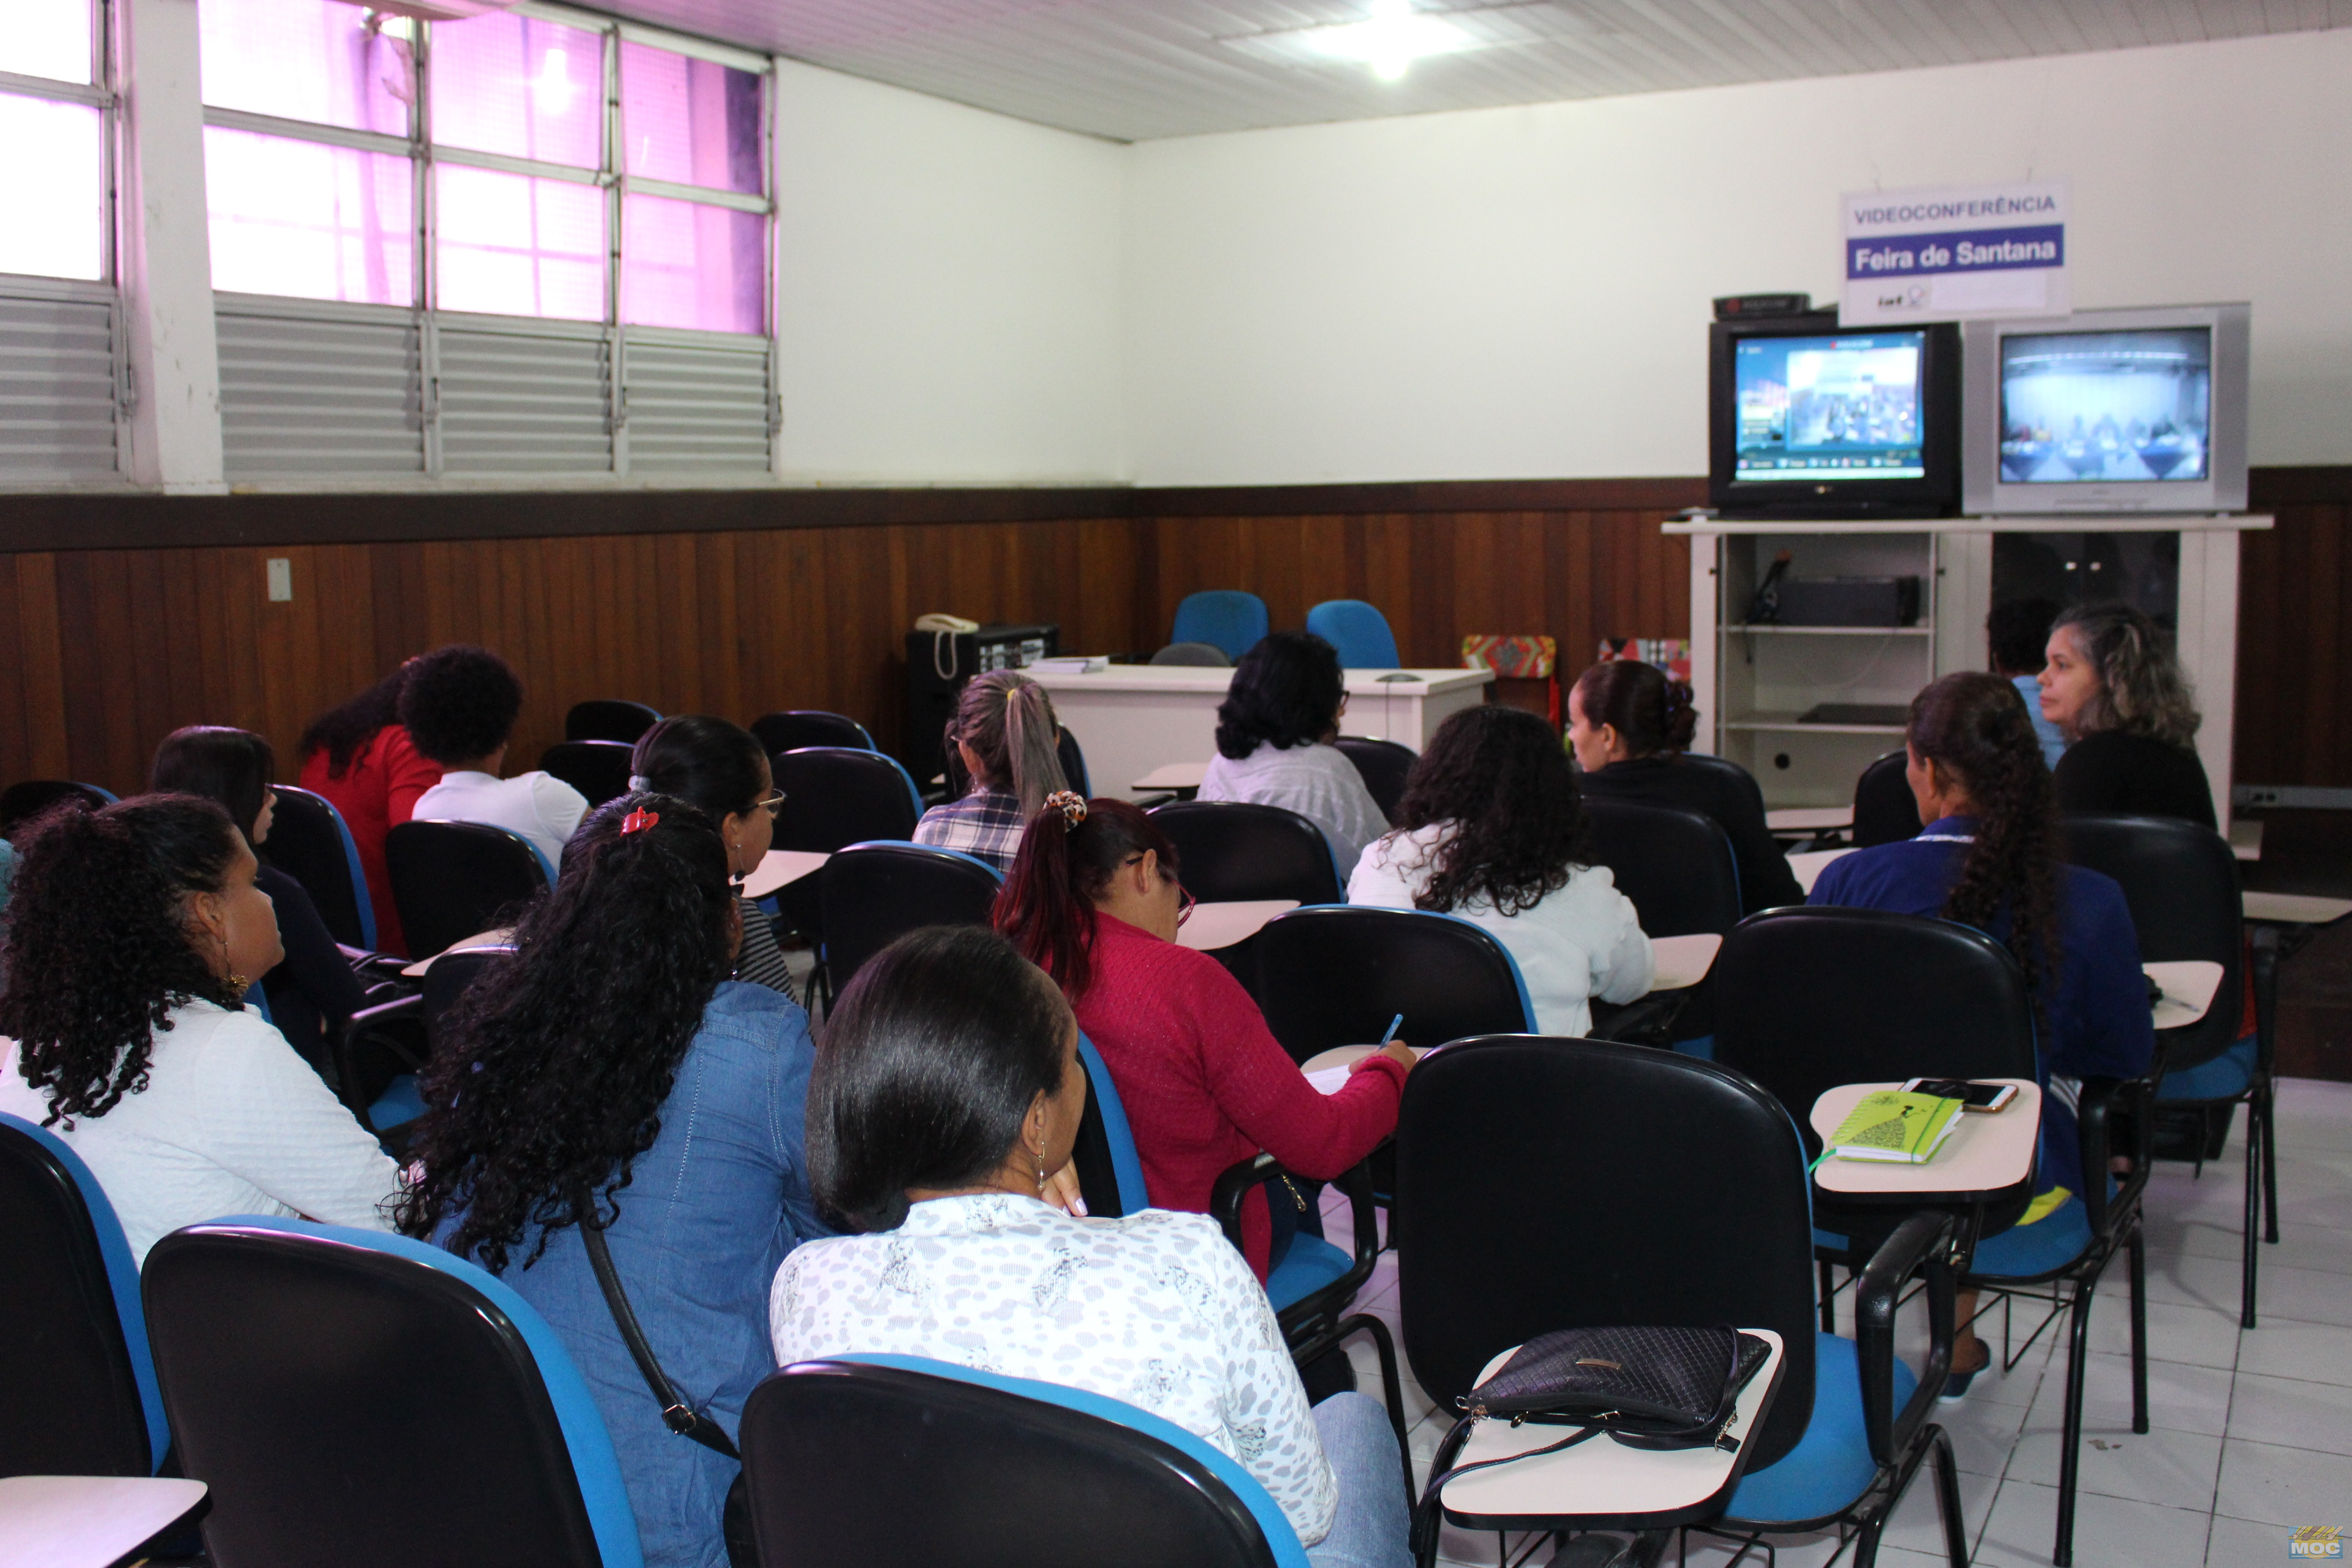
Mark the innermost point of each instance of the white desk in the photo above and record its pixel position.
(1683, 961)
(1135, 718)
(1808, 865)
(1986, 1153)
(1809, 819)
(2295, 909)
(498, 937)
(1175, 775)
(1211, 926)
(780, 869)
(88, 1522)
(2188, 987)
(1601, 1484)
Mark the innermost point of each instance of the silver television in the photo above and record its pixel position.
(2105, 411)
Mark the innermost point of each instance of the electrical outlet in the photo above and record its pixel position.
(281, 579)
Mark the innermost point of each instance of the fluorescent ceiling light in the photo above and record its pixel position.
(1394, 34)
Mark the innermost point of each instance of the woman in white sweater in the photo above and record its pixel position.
(132, 934)
(1490, 828)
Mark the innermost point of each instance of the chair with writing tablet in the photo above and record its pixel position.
(1678, 868)
(1384, 766)
(1884, 810)
(454, 880)
(609, 718)
(872, 894)
(799, 727)
(599, 770)
(22, 801)
(309, 841)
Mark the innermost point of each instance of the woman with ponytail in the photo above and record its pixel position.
(1005, 733)
(1094, 901)
(609, 1074)
(2113, 687)
(1629, 726)
(131, 937)
(1989, 859)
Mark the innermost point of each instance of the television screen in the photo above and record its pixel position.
(2098, 407)
(1831, 408)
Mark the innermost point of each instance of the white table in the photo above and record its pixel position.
(1601, 1484)
(498, 937)
(88, 1522)
(1211, 926)
(1988, 1152)
(2188, 986)
(1809, 819)
(1174, 775)
(1683, 961)
(1135, 718)
(2295, 909)
(780, 869)
(1808, 865)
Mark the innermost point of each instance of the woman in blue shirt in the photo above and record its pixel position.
(611, 1074)
(1989, 859)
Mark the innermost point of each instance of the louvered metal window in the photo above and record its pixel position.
(59, 371)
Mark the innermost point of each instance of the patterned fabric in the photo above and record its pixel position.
(1672, 655)
(760, 962)
(1155, 1309)
(986, 824)
(1520, 658)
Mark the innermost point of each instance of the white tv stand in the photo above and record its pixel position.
(1752, 683)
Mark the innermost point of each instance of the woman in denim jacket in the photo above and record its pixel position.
(610, 1074)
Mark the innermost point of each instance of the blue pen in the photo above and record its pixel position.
(1394, 1025)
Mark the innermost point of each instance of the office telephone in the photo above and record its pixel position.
(944, 629)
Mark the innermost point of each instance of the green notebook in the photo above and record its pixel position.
(1888, 1124)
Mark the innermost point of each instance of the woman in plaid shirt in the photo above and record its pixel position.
(1005, 731)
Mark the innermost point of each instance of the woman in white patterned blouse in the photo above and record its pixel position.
(946, 1096)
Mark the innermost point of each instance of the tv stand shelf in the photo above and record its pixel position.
(1773, 723)
(1768, 630)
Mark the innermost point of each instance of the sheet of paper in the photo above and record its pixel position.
(1330, 1080)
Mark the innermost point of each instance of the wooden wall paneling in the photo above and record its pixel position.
(2294, 636)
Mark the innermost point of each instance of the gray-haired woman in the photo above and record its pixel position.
(2116, 689)
(1005, 731)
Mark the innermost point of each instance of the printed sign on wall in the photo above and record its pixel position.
(1947, 254)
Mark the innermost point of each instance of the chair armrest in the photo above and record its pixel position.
(1233, 1185)
(1225, 1207)
(2095, 1121)
(371, 1023)
(1923, 1241)
(1644, 1021)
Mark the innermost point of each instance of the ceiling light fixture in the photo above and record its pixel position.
(1393, 34)
(1388, 41)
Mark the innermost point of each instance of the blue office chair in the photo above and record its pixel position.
(1336, 976)
(1678, 867)
(22, 802)
(77, 1390)
(355, 1397)
(609, 718)
(1358, 631)
(1383, 765)
(1225, 618)
(799, 727)
(309, 841)
(1110, 1173)
(1239, 851)
(872, 894)
(379, 1053)
(893, 1461)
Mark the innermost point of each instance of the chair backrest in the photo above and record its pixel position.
(1110, 1171)
(309, 841)
(1545, 1183)
(1807, 999)
(1199, 655)
(1232, 850)
(790, 731)
(22, 802)
(355, 1397)
(1336, 976)
(888, 1462)
(1358, 631)
(1884, 810)
(838, 796)
(597, 769)
(451, 881)
(1225, 618)
(1675, 864)
(1384, 766)
(1073, 758)
(77, 1392)
(609, 718)
(2180, 879)
(1724, 767)
(873, 894)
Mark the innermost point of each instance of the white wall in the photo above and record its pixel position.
(947, 288)
(1524, 293)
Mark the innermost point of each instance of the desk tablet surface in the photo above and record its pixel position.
(780, 868)
(1987, 1153)
(1808, 865)
(2295, 909)
(1809, 819)
(1211, 926)
(1600, 1483)
(498, 937)
(2188, 987)
(1174, 775)
(88, 1522)
(1683, 961)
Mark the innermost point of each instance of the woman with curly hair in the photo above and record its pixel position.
(609, 1074)
(1094, 901)
(358, 756)
(1275, 730)
(1989, 859)
(2115, 688)
(459, 704)
(721, 770)
(132, 934)
(1490, 828)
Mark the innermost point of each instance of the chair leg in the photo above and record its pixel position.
(2139, 1325)
(1947, 1498)
(2266, 1100)
(2069, 1452)
(2248, 1261)
(1391, 1383)
(1829, 1298)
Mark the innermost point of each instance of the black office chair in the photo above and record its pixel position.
(355, 1397)
(77, 1392)
(905, 1462)
(1336, 976)
(873, 894)
(309, 841)
(836, 796)
(379, 1053)
(20, 803)
(1547, 1183)
(1723, 766)
(1073, 758)
(597, 769)
(609, 718)
(1678, 867)
(800, 727)
(1231, 851)
(451, 881)
(1384, 766)
(1884, 810)
(2180, 879)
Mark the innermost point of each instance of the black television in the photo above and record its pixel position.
(1808, 419)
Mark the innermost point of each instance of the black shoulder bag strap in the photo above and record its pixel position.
(677, 1414)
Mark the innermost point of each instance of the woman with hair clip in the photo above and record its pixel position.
(1629, 726)
(1275, 730)
(313, 990)
(1094, 901)
(1490, 828)
(609, 1073)
(2115, 688)
(1009, 742)
(1989, 859)
(360, 758)
(949, 1087)
(721, 770)
(132, 934)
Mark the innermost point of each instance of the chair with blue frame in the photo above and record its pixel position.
(836, 796)
(378, 1054)
(799, 727)
(1556, 1184)
(1383, 765)
(1066, 751)
(1358, 631)
(1236, 850)
(609, 718)
(1227, 619)
(351, 1396)
(22, 801)
(872, 894)
(451, 881)
(599, 770)
(309, 841)
(1884, 810)
(1678, 867)
(77, 1390)
(891, 1461)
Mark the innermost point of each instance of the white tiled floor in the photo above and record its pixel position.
(2252, 1431)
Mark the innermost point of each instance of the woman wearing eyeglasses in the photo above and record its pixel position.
(721, 770)
(1094, 901)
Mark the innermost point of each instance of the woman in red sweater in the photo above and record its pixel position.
(1094, 901)
(359, 757)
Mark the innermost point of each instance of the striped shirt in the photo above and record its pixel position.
(760, 962)
(986, 824)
